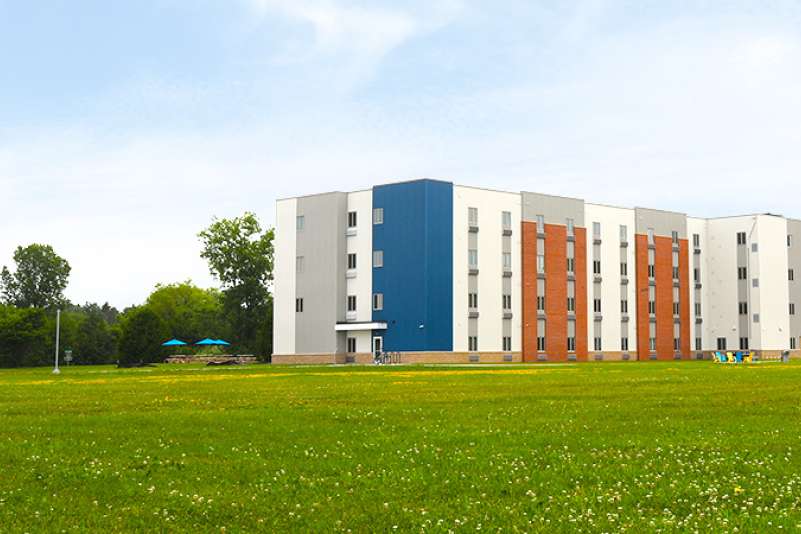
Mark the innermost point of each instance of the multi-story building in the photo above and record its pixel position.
(445, 273)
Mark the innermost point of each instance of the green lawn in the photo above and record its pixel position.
(596, 447)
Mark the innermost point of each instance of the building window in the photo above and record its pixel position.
(624, 234)
(652, 344)
(698, 309)
(742, 273)
(674, 236)
(351, 303)
(597, 343)
(624, 306)
(742, 308)
(651, 271)
(472, 258)
(571, 304)
(676, 308)
(472, 343)
(507, 343)
(351, 345)
(300, 222)
(571, 265)
(756, 317)
(789, 240)
(540, 303)
(754, 247)
(507, 261)
(650, 236)
(507, 302)
(378, 215)
(541, 223)
(571, 344)
(675, 273)
(351, 261)
(721, 343)
(755, 282)
(792, 308)
(300, 264)
(472, 216)
(624, 269)
(540, 343)
(696, 244)
(378, 301)
(651, 300)
(351, 219)
(472, 300)
(741, 238)
(791, 275)
(571, 227)
(596, 305)
(792, 343)
(743, 343)
(506, 219)
(698, 344)
(696, 274)
(676, 344)
(378, 258)
(624, 344)
(596, 230)
(299, 305)
(596, 266)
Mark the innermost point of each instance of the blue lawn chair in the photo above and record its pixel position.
(738, 357)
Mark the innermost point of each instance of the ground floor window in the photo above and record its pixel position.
(351, 345)
(721, 343)
(507, 343)
(472, 343)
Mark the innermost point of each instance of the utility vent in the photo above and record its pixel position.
(652, 356)
(699, 356)
(542, 358)
(474, 358)
(507, 357)
(677, 356)
(571, 357)
(626, 357)
(350, 359)
(599, 357)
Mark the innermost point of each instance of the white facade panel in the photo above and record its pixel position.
(360, 242)
(721, 289)
(771, 298)
(610, 220)
(698, 227)
(490, 206)
(285, 246)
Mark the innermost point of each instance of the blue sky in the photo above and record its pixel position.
(125, 126)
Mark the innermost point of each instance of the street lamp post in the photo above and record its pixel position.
(58, 332)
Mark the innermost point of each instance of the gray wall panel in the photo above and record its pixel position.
(556, 210)
(663, 222)
(794, 259)
(322, 284)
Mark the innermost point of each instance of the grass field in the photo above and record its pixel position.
(596, 447)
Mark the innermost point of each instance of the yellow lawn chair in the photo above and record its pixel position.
(747, 357)
(730, 357)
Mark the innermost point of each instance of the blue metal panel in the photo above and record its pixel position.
(417, 276)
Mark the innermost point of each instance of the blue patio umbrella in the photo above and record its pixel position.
(207, 342)
(222, 342)
(173, 343)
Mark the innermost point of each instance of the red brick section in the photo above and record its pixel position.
(556, 292)
(641, 289)
(663, 263)
(684, 296)
(529, 254)
(581, 294)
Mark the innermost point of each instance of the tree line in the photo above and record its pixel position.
(239, 254)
